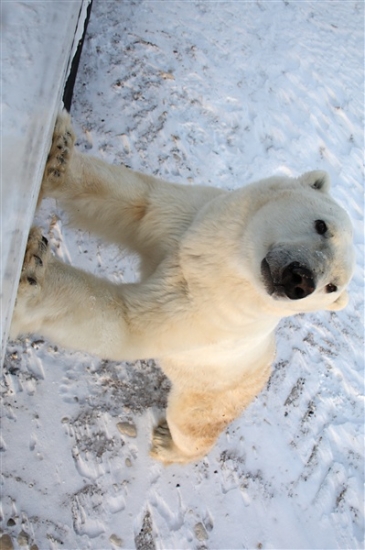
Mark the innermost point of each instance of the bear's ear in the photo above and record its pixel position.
(340, 303)
(318, 179)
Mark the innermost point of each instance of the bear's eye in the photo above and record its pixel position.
(331, 288)
(320, 226)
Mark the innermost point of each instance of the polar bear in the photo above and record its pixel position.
(219, 269)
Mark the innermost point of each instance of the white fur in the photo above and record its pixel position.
(202, 306)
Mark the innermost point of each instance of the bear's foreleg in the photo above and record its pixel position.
(77, 310)
(103, 198)
(70, 307)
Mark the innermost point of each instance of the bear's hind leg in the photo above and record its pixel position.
(193, 423)
(194, 420)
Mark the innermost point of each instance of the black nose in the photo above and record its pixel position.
(298, 281)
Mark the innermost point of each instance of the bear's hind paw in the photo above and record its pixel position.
(164, 449)
(161, 438)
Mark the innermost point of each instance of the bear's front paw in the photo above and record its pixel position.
(59, 155)
(31, 282)
(35, 262)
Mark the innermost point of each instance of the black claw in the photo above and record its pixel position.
(38, 260)
(42, 247)
(162, 429)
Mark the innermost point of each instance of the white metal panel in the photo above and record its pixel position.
(37, 42)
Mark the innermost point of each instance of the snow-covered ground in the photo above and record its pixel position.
(218, 93)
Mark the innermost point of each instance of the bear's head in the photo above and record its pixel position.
(303, 257)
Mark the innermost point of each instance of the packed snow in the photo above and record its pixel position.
(218, 93)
